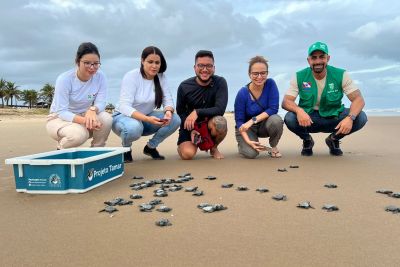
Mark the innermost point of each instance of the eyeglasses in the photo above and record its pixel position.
(207, 66)
(89, 64)
(261, 73)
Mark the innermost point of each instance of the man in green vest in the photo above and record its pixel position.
(320, 88)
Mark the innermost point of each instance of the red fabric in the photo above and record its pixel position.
(206, 142)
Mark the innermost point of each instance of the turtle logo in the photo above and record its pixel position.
(55, 180)
(90, 174)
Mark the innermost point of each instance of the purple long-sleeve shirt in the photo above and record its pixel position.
(246, 107)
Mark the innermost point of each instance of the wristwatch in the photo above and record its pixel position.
(352, 117)
(92, 108)
(254, 119)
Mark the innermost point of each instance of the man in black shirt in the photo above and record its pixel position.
(202, 97)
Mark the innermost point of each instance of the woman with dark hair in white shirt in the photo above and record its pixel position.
(144, 90)
(77, 112)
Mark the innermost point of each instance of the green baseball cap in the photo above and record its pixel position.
(318, 46)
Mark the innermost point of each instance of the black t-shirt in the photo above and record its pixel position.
(209, 101)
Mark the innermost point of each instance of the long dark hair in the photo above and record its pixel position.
(158, 90)
(86, 48)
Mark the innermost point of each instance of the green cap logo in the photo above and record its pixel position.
(318, 46)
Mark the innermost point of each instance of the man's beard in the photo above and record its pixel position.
(319, 69)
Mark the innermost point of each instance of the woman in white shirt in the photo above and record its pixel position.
(77, 112)
(144, 90)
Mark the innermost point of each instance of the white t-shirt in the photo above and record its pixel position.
(72, 96)
(137, 94)
(347, 84)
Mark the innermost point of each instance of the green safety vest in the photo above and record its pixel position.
(331, 97)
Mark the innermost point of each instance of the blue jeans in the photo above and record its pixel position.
(321, 124)
(130, 129)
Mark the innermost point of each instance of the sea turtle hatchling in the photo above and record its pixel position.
(163, 222)
(242, 188)
(155, 202)
(262, 190)
(305, 205)
(384, 191)
(330, 185)
(109, 209)
(280, 197)
(164, 209)
(146, 207)
(191, 189)
(395, 194)
(392, 209)
(185, 175)
(226, 185)
(135, 196)
(330, 207)
(282, 170)
(113, 202)
(211, 208)
(198, 193)
(210, 177)
(125, 202)
(294, 166)
(138, 177)
(202, 205)
(160, 193)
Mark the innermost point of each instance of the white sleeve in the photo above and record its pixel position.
(348, 85)
(127, 94)
(61, 99)
(101, 97)
(293, 88)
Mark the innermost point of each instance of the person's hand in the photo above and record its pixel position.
(257, 146)
(97, 125)
(155, 120)
(303, 118)
(344, 126)
(245, 126)
(190, 120)
(168, 118)
(90, 119)
(195, 137)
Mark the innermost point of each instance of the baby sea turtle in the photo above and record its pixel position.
(125, 202)
(242, 188)
(109, 209)
(330, 186)
(198, 193)
(135, 196)
(160, 193)
(226, 185)
(175, 188)
(210, 177)
(164, 209)
(138, 177)
(185, 175)
(262, 190)
(146, 207)
(294, 166)
(384, 191)
(280, 197)
(330, 207)
(282, 170)
(305, 205)
(155, 202)
(113, 202)
(211, 208)
(395, 194)
(163, 222)
(393, 209)
(191, 189)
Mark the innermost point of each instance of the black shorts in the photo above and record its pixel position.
(184, 135)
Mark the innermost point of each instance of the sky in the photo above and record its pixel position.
(39, 39)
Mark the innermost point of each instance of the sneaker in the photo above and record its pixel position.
(308, 145)
(152, 152)
(333, 145)
(128, 157)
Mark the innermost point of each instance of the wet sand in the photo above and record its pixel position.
(255, 230)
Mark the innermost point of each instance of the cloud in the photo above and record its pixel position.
(374, 70)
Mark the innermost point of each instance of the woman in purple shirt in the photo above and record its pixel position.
(256, 108)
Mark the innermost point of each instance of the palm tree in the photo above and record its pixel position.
(11, 92)
(2, 91)
(29, 96)
(47, 93)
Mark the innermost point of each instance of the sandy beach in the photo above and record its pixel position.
(255, 230)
